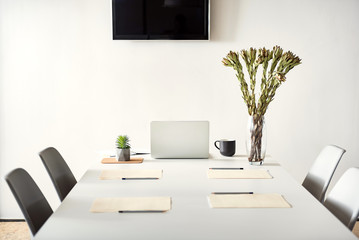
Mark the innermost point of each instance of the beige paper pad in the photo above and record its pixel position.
(130, 173)
(271, 200)
(131, 204)
(248, 173)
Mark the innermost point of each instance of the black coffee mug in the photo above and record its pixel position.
(226, 147)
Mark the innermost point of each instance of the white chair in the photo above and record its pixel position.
(343, 200)
(322, 170)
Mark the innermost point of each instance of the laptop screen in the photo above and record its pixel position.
(180, 139)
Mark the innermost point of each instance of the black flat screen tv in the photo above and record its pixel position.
(160, 19)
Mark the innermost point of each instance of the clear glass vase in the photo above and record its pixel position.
(256, 140)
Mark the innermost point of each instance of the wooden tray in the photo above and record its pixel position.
(114, 161)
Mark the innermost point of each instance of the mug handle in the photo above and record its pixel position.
(215, 144)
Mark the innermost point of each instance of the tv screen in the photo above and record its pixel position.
(160, 19)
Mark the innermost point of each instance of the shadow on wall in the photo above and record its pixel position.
(224, 19)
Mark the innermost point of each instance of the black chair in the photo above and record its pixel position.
(59, 171)
(28, 195)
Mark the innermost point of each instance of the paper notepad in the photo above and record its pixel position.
(131, 204)
(247, 173)
(257, 200)
(130, 174)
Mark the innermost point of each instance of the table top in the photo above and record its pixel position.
(187, 183)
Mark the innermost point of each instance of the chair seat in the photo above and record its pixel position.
(322, 170)
(343, 200)
(30, 199)
(60, 173)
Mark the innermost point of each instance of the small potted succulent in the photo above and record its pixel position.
(123, 148)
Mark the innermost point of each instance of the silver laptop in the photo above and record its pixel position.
(180, 139)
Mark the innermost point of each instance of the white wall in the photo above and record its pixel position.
(65, 83)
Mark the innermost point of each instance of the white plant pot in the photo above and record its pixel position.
(123, 154)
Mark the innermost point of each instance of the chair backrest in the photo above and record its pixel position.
(59, 171)
(343, 200)
(32, 202)
(322, 170)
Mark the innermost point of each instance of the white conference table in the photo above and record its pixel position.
(186, 182)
